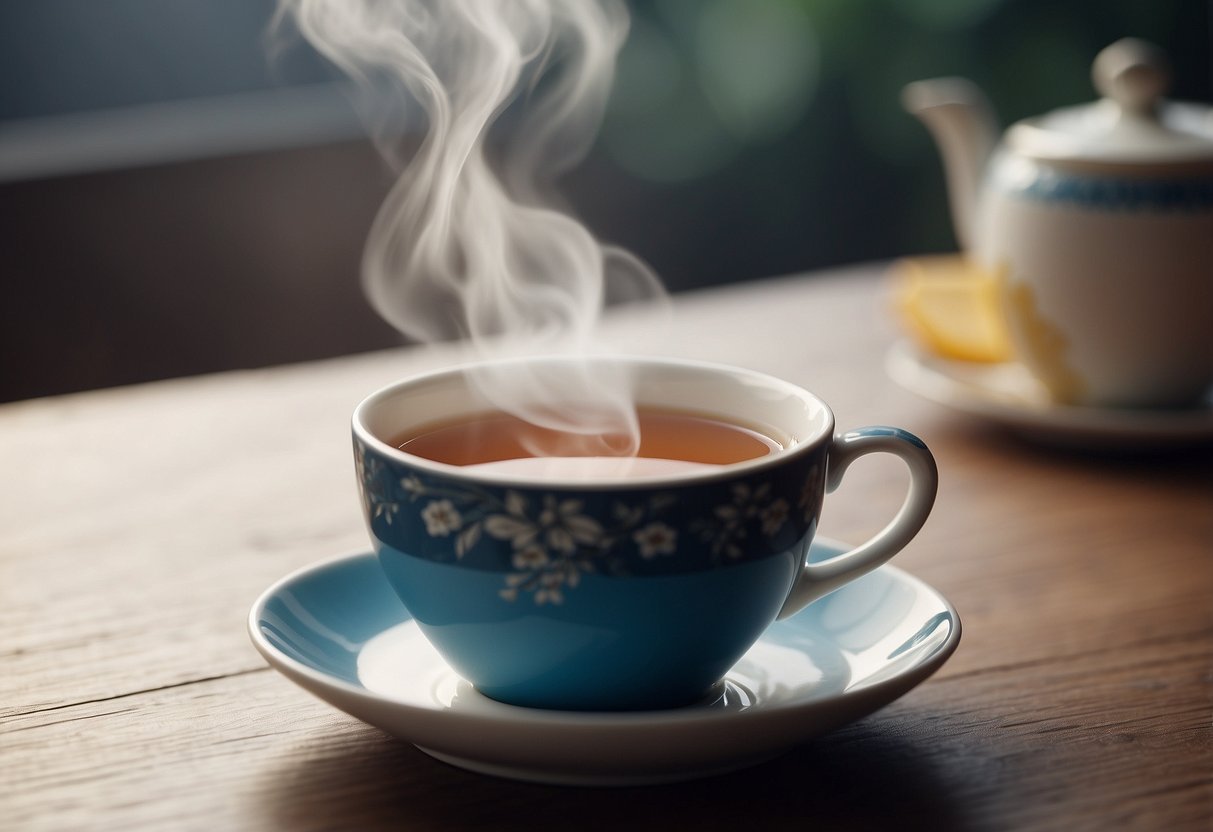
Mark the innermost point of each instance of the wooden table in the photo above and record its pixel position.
(139, 524)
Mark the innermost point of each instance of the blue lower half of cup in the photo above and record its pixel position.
(599, 642)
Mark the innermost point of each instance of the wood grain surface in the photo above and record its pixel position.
(138, 524)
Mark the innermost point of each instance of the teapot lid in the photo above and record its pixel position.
(1131, 124)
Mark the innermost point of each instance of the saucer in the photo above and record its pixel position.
(1008, 395)
(337, 630)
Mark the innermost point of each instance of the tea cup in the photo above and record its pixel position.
(616, 593)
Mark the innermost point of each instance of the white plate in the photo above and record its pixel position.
(1008, 395)
(338, 630)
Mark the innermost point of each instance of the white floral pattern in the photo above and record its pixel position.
(774, 516)
(441, 518)
(553, 541)
(546, 542)
(727, 531)
(379, 502)
(531, 558)
(810, 496)
(656, 539)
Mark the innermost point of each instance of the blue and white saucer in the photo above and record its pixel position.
(337, 630)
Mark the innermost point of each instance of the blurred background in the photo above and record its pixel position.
(179, 195)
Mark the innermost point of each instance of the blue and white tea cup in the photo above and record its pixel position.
(617, 594)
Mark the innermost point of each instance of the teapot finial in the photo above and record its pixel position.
(1133, 73)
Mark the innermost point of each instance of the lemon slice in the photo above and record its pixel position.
(952, 307)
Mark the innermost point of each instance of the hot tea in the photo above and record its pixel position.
(670, 441)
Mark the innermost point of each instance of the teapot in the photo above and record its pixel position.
(1098, 220)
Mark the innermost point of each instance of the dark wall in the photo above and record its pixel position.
(129, 275)
(249, 258)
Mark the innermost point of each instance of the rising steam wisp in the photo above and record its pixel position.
(469, 249)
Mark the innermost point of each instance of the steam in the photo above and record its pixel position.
(468, 246)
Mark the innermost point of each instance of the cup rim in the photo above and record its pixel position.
(715, 474)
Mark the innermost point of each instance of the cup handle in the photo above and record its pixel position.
(819, 579)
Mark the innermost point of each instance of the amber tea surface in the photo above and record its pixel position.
(664, 434)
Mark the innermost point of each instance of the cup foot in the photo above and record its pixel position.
(724, 694)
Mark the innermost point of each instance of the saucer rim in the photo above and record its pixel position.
(873, 695)
(907, 364)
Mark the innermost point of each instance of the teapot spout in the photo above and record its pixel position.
(959, 117)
